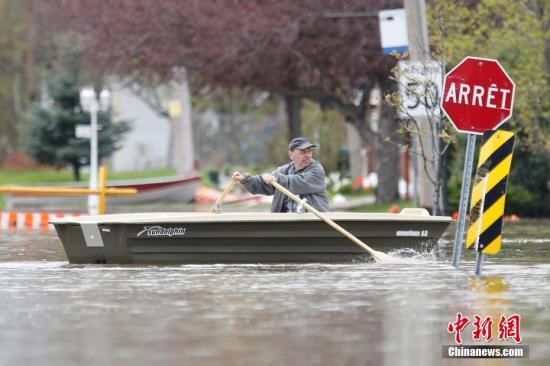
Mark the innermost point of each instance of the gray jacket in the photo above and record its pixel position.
(307, 183)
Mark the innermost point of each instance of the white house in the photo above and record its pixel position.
(146, 145)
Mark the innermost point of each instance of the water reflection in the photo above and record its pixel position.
(28, 245)
(52, 312)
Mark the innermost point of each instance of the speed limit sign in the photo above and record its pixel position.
(419, 88)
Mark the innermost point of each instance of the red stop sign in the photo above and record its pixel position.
(478, 95)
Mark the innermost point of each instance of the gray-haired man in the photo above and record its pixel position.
(303, 176)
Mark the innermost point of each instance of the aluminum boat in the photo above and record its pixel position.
(252, 237)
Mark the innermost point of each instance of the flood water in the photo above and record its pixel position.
(55, 313)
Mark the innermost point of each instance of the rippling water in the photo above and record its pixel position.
(55, 313)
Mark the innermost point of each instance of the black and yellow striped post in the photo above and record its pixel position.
(488, 194)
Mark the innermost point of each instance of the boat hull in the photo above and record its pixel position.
(179, 189)
(281, 238)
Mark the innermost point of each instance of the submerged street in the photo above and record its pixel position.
(56, 313)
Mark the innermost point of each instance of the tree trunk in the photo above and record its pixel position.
(387, 151)
(171, 143)
(30, 93)
(387, 154)
(182, 134)
(293, 108)
(76, 171)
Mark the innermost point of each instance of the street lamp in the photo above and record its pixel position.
(89, 103)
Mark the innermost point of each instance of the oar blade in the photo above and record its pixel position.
(384, 258)
(216, 208)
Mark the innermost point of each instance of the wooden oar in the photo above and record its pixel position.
(378, 256)
(218, 204)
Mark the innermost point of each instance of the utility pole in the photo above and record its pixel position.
(182, 131)
(419, 50)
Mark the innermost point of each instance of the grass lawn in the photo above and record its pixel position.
(401, 204)
(42, 176)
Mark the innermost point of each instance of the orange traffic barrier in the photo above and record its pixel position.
(44, 217)
(12, 219)
(29, 220)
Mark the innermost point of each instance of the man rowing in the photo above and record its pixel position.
(303, 176)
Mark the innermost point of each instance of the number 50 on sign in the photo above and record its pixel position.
(419, 88)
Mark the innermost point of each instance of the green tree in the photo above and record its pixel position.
(51, 132)
(16, 59)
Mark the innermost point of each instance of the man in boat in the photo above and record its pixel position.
(303, 176)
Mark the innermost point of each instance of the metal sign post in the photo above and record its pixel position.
(464, 196)
(479, 261)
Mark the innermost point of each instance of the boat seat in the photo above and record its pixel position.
(417, 211)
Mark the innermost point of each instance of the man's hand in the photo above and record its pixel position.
(268, 178)
(238, 176)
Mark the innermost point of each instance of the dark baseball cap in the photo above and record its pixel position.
(300, 143)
